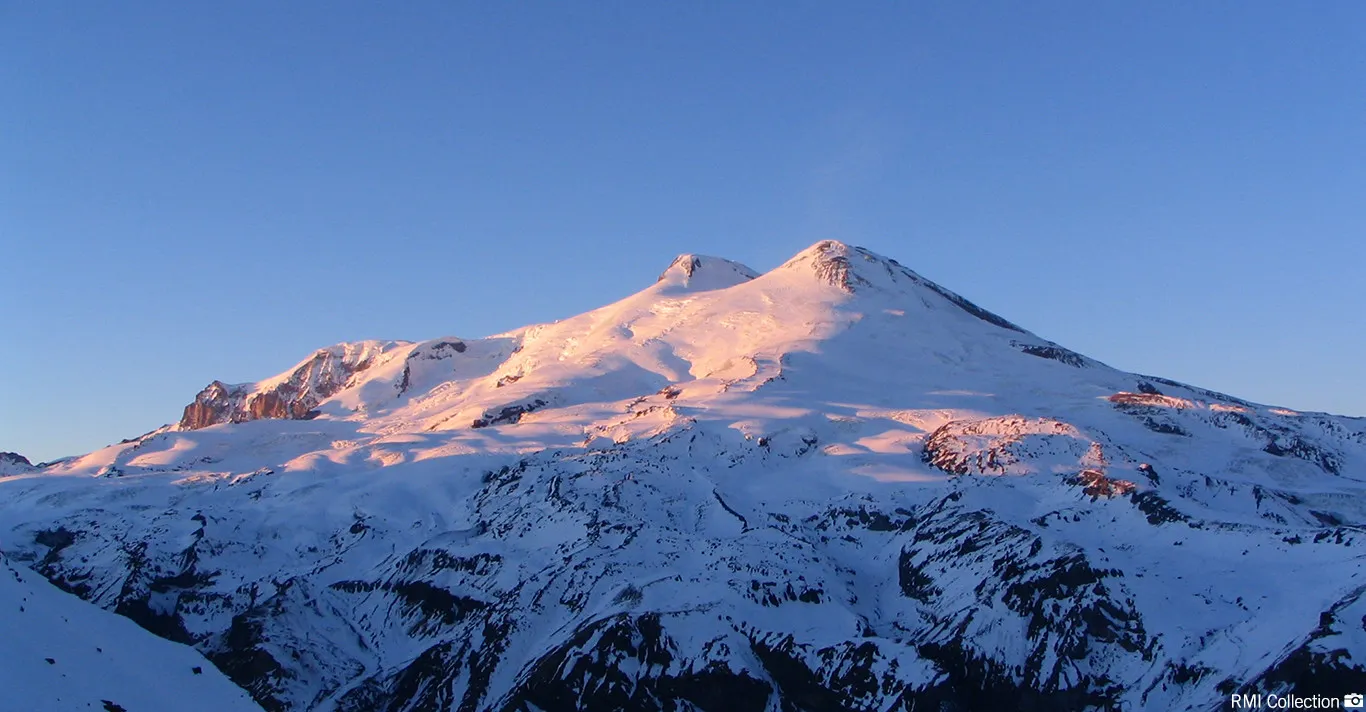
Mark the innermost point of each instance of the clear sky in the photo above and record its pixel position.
(191, 191)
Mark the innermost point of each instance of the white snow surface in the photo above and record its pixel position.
(60, 653)
(835, 454)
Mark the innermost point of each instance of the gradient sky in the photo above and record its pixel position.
(191, 191)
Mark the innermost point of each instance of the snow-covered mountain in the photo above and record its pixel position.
(836, 485)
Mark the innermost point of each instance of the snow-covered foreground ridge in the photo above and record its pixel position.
(836, 485)
(61, 654)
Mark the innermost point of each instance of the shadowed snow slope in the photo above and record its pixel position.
(62, 654)
(836, 485)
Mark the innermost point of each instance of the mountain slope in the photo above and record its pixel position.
(62, 654)
(836, 485)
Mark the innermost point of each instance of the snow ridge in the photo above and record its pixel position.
(63, 654)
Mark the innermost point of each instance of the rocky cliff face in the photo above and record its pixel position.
(292, 397)
(217, 403)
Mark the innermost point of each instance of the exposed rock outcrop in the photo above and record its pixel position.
(293, 397)
(12, 463)
(1098, 485)
(1004, 445)
(507, 415)
(1053, 352)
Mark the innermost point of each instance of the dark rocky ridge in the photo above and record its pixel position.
(12, 463)
(14, 458)
(1053, 352)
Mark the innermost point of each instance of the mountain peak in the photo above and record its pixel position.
(854, 269)
(704, 272)
(12, 463)
(849, 266)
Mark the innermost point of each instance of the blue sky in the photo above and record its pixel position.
(191, 191)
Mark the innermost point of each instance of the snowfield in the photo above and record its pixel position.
(836, 485)
(63, 654)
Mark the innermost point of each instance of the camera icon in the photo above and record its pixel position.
(1354, 701)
